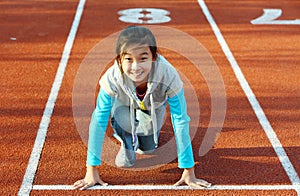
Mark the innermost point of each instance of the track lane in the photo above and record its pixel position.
(269, 62)
(228, 149)
(32, 40)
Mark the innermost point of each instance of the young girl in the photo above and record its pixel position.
(134, 91)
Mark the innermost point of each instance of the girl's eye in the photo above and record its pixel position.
(128, 59)
(144, 58)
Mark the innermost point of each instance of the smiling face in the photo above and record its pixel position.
(136, 63)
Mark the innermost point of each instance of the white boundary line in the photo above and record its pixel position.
(167, 187)
(277, 146)
(43, 127)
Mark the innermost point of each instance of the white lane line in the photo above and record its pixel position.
(167, 187)
(43, 127)
(277, 146)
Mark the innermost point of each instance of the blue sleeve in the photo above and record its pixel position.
(97, 128)
(180, 121)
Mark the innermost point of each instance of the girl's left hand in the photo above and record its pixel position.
(188, 177)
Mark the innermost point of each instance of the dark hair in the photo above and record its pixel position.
(135, 35)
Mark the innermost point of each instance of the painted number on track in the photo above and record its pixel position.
(144, 15)
(270, 17)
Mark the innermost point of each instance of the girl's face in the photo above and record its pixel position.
(136, 63)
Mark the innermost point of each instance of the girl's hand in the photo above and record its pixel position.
(188, 177)
(91, 178)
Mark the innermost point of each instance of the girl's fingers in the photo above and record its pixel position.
(84, 187)
(87, 185)
(82, 184)
(195, 186)
(198, 184)
(104, 184)
(179, 182)
(203, 183)
(101, 182)
(78, 184)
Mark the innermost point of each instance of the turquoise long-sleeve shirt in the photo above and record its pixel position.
(180, 121)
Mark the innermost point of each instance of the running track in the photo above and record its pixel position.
(257, 152)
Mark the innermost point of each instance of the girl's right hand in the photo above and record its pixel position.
(91, 178)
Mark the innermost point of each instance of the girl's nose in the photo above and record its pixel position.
(134, 65)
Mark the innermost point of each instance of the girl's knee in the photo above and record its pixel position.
(121, 119)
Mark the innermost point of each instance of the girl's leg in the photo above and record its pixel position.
(146, 144)
(121, 124)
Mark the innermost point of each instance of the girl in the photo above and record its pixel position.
(134, 91)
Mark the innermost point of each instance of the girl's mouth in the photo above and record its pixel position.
(137, 74)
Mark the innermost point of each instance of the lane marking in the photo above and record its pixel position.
(43, 127)
(144, 15)
(269, 17)
(277, 146)
(167, 187)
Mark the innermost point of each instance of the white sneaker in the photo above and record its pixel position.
(139, 151)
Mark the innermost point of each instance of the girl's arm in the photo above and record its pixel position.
(180, 121)
(98, 126)
(97, 129)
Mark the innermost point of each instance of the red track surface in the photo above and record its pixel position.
(269, 56)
